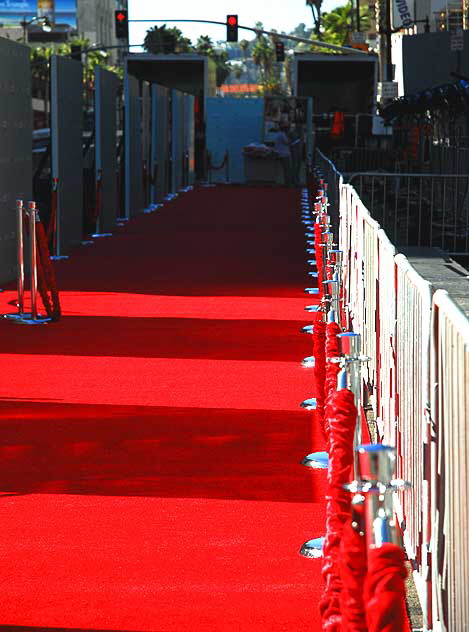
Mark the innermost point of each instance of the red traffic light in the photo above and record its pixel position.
(231, 28)
(121, 23)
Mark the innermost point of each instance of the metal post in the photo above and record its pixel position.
(20, 255)
(32, 255)
(351, 347)
(32, 318)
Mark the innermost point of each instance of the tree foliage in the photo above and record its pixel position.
(337, 24)
(161, 39)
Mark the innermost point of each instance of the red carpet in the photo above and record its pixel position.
(150, 441)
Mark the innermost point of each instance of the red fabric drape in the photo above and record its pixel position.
(332, 369)
(338, 506)
(319, 351)
(353, 573)
(385, 590)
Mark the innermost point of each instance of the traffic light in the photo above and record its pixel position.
(231, 28)
(279, 51)
(122, 24)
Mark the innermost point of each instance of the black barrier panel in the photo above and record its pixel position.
(159, 142)
(15, 146)
(67, 150)
(146, 141)
(106, 86)
(134, 190)
(189, 140)
(177, 144)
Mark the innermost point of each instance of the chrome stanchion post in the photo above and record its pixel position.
(33, 318)
(20, 261)
(20, 255)
(375, 480)
(352, 359)
(32, 255)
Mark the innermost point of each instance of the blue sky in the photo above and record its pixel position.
(282, 15)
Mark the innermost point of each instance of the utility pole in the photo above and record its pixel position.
(388, 39)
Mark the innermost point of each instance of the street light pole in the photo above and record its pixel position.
(389, 68)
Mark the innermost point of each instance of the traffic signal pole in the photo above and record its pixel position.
(302, 40)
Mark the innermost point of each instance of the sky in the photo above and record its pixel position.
(282, 15)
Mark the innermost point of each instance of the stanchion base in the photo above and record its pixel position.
(307, 329)
(170, 197)
(15, 316)
(314, 274)
(312, 548)
(316, 460)
(40, 320)
(309, 404)
(311, 251)
(312, 308)
(99, 235)
(87, 242)
(312, 290)
(59, 257)
(309, 362)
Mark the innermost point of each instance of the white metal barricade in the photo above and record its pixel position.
(386, 339)
(413, 323)
(450, 465)
(419, 371)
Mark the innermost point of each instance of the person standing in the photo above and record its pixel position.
(282, 147)
(296, 152)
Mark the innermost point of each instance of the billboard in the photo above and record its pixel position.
(13, 12)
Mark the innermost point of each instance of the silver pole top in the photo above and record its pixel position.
(376, 463)
(350, 343)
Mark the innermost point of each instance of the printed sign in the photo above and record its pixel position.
(456, 40)
(13, 12)
(403, 14)
(358, 37)
(387, 90)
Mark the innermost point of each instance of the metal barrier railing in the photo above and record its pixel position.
(410, 436)
(418, 209)
(390, 304)
(334, 179)
(450, 463)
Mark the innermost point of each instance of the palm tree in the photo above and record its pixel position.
(244, 45)
(263, 57)
(161, 39)
(316, 11)
(337, 24)
(204, 45)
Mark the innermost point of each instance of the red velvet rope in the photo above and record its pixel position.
(46, 281)
(332, 369)
(220, 166)
(319, 351)
(353, 573)
(338, 505)
(385, 590)
(51, 226)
